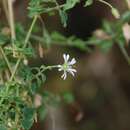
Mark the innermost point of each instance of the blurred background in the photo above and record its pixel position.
(101, 85)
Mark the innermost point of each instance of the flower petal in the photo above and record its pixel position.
(73, 70)
(68, 56)
(67, 66)
(65, 57)
(64, 75)
(59, 66)
(60, 69)
(73, 61)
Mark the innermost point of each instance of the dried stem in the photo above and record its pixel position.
(25, 44)
(5, 7)
(128, 3)
(11, 19)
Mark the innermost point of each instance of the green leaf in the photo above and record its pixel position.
(102, 44)
(46, 95)
(123, 50)
(64, 17)
(3, 39)
(2, 127)
(57, 36)
(125, 17)
(107, 27)
(105, 45)
(70, 4)
(115, 13)
(26, 73)
(88, 3)
(68, 97)
(46, 37)
(28, 118)
(70, 41)
(35, 7)
(2, 64)
(43, 112)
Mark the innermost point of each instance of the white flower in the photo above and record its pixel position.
(67, 66)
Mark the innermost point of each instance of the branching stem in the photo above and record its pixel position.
(6, 59)
(25, 44)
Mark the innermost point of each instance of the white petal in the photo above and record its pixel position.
(59, 66)
(73, 70)
(68, 56)
(64, 75)
(65, 57)
(60, 69)
(73, 61)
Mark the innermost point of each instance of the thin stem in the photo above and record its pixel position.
(6, 59)
(49, 68)
(1, 78)
(15, 69)
(128, 3)
(106, 3)
(58, 6)
(7, 74)
(4, 2)
(30, 31)
(25, 44)
(44, 69)
(11, 18)
(54, 8)
(124, 52)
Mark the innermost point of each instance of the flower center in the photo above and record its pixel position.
(65, 66)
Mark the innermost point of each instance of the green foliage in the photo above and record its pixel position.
(113, 35)
(68, 97)
(20, 83)
(115, 13)
(56, 38)
(125, 17)
(88, 3)
(43, 112)
(13, 98)
(47, 6)
(3, 39)
(70, 4)
(72, 41)
(28, 118)
(2, 127)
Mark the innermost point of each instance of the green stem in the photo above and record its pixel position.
(124, 52)
(54, 8)
(49, 68)
(44, 69)
(25, 44)
(6, 59)
(30, 31)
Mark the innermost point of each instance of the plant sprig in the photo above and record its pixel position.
(19, 82)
